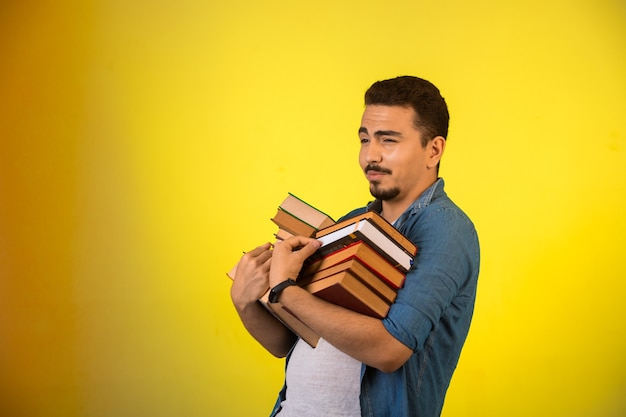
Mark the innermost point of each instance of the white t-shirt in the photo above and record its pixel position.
(321, 382)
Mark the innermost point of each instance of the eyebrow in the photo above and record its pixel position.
(379, 133)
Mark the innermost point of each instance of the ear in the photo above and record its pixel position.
(435, 150)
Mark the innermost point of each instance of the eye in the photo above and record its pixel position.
(388, 140)
(364, 140)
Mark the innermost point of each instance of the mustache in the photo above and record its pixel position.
(377, 168)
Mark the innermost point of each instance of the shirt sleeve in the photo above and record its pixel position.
(446, 242)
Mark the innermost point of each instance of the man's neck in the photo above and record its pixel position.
(391, 212)
(393, 209)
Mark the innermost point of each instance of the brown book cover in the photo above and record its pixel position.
(366, 255)
(287, 221)
(346, 290)
(371, 280)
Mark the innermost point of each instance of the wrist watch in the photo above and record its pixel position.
(275, 292)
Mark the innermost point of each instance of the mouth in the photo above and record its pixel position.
(374, 176)
(375, 173)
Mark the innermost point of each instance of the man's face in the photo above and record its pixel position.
(392, 156)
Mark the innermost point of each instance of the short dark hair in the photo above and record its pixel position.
(422, 96)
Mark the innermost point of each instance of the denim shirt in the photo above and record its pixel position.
(432, 312)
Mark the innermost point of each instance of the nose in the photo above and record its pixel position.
(373, 152)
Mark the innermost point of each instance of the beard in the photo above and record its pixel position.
(382, 194)
(375, 189)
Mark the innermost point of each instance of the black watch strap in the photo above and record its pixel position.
(275, 292)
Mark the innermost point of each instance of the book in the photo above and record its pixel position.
(292, 224)
(346, 290)
(283, 234)
(300, 218)
(231, 274)
(291, 321)
(378, 221)
(365, 229)
(366, 255)
(306, 212)
(359, 270)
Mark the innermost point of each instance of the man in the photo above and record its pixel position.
(400, 365)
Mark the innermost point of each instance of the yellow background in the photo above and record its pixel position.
(145, 144)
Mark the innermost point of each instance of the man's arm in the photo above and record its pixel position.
(249, 284)
(360, 336)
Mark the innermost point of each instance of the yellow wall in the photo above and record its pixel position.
(145, 144)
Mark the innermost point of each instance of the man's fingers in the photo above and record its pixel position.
(309, 249)
(260, 249)
(259, 255)
(296, 242)
(300, 247)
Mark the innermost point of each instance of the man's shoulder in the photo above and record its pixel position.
(437, 217)
(353, 213)
(442, 210)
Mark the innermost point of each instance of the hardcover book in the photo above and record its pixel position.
(360, 250)
(346, 290)
(359, 270)
(364, 229)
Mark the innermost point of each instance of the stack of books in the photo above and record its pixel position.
(361, 264)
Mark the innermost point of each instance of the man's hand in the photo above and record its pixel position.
(251, 280)
(288, 257)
